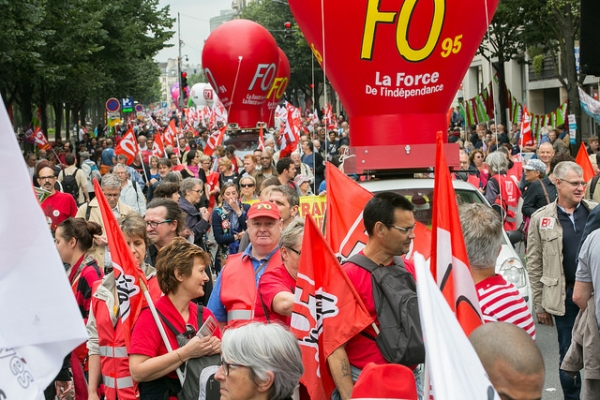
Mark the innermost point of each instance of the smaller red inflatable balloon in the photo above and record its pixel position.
(280, 83)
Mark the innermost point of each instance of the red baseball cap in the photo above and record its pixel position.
(385, 381)
(264, 209)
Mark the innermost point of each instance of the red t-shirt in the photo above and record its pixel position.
(59, 207)
(146, 339)
(272, 282)
(212, 180)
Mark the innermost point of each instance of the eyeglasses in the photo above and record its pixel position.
(43, 178)
(154, 224)
(225, 365)
(576, 183)
(295, 251)
(197, 191)
(407, 231)
(246, 185)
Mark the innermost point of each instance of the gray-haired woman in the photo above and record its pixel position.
(259, 361)
(275, 294)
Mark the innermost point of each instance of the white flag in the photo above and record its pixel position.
(40, 322)
(455, 369)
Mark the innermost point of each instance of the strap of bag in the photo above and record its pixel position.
(173, 329)
(546, 192)
(593, 187)
(88, 211)
(261, 267)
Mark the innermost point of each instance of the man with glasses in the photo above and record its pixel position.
(234, 294)
(57, 206)
(553, 240)
(389, 222)
(111, 187)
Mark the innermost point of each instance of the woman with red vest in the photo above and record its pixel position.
(74, 237)
(107, 348)
(501, 190)
(181, 274)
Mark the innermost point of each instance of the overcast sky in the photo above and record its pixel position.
(195, 28)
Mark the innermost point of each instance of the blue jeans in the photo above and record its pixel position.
(564, 327)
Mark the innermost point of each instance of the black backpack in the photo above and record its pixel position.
(400, 339)
(69, 184)
(200, 382)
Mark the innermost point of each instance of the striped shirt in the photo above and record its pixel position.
(501, 301)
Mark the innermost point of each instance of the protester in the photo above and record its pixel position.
(501, 191)
(553, 239)
(109, 158)
(74, 179)
(275, 292)
(303, 184)
(226, 173)
(111, 187)
(301, 168)
(228, 222)
(511, 360)
(196, 215)
(267, 169)
(167, 190)
(57, 206)
(248, 189)
(74, 237)
(477, 166)
(260, 362)
(181, 274)
(192, 167)
(389, 222)
(106, 345)
(234, 293)
(212, 182)
(286, 171)
(90, 169)
(499, 300)
(314, 160)
(131, 192)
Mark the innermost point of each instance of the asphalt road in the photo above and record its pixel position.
(547, 341)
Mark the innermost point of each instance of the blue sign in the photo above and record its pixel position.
(113, 105)
(127, 104)
(164, 104)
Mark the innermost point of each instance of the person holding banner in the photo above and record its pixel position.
(181, 274)
(106, 345)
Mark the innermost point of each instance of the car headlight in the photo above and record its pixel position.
(512, 270)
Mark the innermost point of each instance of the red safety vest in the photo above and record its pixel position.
(508, 199)
(114, 362)
(238, 285)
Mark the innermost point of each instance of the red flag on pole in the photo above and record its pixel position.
(261, 139)
(41, 140)
(128, 275)
(583, 159)
(214, 140)
(526, 135)
(128, 146)
(169, 134)
(449, 260)
(158, 148)
(327, 311)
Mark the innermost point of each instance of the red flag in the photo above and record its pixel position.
(41, 140)
(158, 148)
(261, 139)
(583, 159)
(128, 146)
(449, 260)
(291, 132)
(129, 278)
(327, 311)
(214, 140)
(169, 134)
(526, 134)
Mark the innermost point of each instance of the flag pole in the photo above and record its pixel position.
(161, 329)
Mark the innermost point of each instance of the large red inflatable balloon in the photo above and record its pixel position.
(280, 83)
(240, 61)
(396, 64)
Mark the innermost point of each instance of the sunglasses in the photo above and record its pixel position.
(246, 185)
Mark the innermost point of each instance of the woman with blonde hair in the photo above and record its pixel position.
(248, 189)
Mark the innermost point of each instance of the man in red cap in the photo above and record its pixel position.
(234, 294)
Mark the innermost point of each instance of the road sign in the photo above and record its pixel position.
(139, 108)
(127, 103)
(112, 105)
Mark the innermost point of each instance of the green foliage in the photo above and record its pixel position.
(72, 51)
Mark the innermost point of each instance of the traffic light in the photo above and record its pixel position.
(184, 84)
(287, 30)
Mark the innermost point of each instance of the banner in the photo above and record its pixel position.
(128, 146)
(589, 105)
(40, 322)
(327, 311)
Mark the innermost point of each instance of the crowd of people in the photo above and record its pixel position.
(219, 239)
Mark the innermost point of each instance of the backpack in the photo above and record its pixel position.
(400, 339)
(200, 382)
(70, 185)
